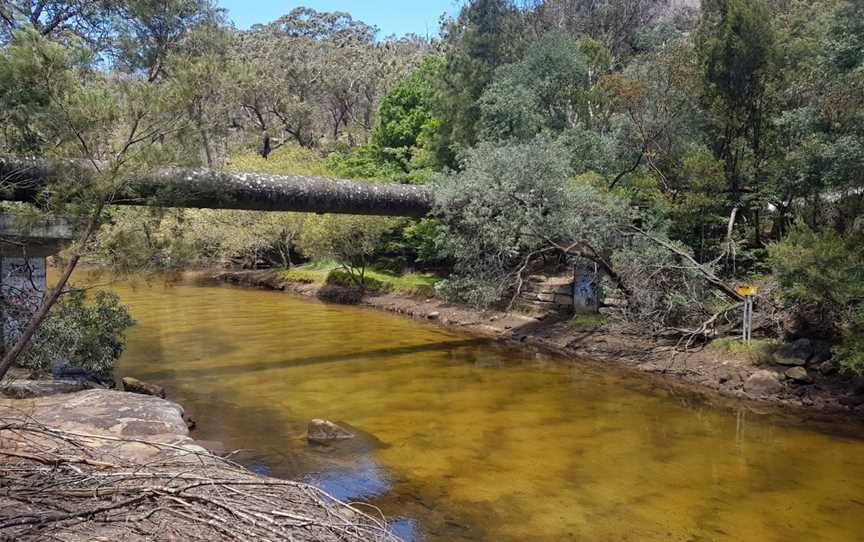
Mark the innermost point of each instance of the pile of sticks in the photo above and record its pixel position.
(61, 485)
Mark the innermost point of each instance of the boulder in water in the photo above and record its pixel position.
(144, 388)
(325, 431)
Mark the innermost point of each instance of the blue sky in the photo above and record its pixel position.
(397, 17)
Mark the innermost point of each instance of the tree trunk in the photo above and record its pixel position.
(23, 178)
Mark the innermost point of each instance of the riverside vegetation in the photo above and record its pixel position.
(677, 148)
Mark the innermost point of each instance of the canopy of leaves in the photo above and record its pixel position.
(512, 200)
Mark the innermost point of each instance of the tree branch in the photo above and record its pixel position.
(709, 275)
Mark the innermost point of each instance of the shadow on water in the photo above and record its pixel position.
(361, 356)
(465, 440)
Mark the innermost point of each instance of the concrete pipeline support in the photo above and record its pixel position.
(24, 178)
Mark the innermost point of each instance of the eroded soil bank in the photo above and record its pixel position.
(706, 371)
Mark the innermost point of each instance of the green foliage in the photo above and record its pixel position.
(147, 30)
(758, 351)
(286, 160)
(820, 266)
(37, 77)
(88, 21)
(327, 272)
(509, 111)
(350, 240)
(422, 236)
(363, 162)
(542, 91)
(405, 118)
(822, 271)
(486, 34)
(83, 333)
(512, 200)
(846, 43)
(140, 240)
(737, 50)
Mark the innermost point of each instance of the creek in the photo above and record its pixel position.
(463, 439)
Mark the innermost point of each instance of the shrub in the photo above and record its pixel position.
(89, 335)
(350, 240)
(822, 272)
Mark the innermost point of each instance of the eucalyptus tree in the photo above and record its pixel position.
(310, 76)
(736, 44)
(86, 19)
(615, 23)
(146, 32)
(59, 98)
(544, 90)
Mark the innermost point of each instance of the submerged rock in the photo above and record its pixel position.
(324, 431)
(144, 388)
(763, 383)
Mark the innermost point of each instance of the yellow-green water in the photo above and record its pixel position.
(474, 441)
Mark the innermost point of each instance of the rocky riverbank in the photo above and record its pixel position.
(100, 464)
(796, 378)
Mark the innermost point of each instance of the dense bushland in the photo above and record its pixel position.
(677, 148)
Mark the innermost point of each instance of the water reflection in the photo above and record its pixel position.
(363, 479)
(469, 440)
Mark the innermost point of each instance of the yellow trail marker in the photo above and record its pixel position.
(748, 290)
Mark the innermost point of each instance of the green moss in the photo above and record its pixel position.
(758, 351)
(588, 321)
(330, 273)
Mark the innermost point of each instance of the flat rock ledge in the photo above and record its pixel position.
(24, 389)
(110, 465)
(128, 417)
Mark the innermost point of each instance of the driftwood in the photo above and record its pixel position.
(54, 485)
(25, 178)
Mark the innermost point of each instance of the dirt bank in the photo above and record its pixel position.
(708, 371)
(109, 465)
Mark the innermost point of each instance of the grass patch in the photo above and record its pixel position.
(588, 321)
(286, 160)
(330, 273)
(758, 351)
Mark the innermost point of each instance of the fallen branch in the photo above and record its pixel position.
(78, 492)
(706, 273)
(705, 330)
